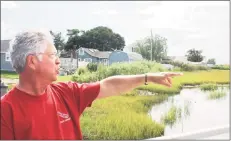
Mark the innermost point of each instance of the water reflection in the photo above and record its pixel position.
(175, 114)
(217, 94)
(193, 110)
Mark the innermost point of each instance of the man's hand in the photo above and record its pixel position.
(116, 85)
(163, 78)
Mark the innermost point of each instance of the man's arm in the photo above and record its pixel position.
(116, 85)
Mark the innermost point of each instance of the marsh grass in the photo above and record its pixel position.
(175, 114)
(191, 78)
(208, 87)
(218, 94)
(122, 118)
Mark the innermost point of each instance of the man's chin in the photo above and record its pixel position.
(55, 78)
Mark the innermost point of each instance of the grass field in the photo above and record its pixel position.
(13, 75)
(190, 78)
(9, 75)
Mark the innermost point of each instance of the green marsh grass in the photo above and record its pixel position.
(190, 78)
(208, 87)
(218, 94)
(122, 118)
(171, 116)
(175, 114)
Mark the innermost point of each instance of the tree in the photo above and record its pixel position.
(152, 48)
(75, 39)
(211, 61)
(194, 55)
(103, 39)
(74, 42)
(59, 41)
(142, 48)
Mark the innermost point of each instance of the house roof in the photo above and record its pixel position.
(5, 45)
(134, 56)
(97, 53)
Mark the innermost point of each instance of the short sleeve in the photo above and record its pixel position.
(85, 94)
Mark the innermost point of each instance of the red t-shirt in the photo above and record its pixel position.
(53, 115)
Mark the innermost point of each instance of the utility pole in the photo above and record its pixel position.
(77, 58)
(151, 44)
(77, 53)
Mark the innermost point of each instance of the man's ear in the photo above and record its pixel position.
(31, 62)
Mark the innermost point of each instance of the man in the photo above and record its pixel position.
(36, 108)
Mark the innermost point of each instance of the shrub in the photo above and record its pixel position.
(119, 69)
(85, 78)
(188, 67)
(81, 71)
(221, 67)
(92, 67)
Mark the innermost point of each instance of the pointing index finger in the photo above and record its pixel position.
(174, 74)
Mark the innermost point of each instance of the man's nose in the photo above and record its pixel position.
(57, 61)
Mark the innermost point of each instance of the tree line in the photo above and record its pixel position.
(104, 39)
(101, 38)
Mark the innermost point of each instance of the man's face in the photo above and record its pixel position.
(48, 66)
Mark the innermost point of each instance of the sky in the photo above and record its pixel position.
(203, 25)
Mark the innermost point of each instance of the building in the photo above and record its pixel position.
(5, 56)
(121, 56)
(93, 56)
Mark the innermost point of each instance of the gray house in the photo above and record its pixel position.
(5, 56)
(121, 56)
(93, 56)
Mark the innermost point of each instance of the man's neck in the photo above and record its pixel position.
(32, 85)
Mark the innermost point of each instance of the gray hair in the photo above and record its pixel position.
(26, 43)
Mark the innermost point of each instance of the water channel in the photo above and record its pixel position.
(198, 112)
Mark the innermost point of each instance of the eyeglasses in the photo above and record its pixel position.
(54, 54)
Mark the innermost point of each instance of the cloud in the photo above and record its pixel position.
(8, 31)
(9, 5)
(177, 15)
(4, 27)
(5, 30)
(103, 12)
(97, 12)
(112, 12)
(166, 15)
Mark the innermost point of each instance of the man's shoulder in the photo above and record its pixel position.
(74, 85)
(8, 97)
(66, 84)
(63, 87)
